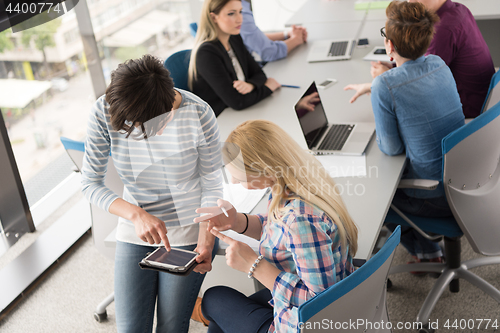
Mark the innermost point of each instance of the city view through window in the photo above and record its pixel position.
(46, 88)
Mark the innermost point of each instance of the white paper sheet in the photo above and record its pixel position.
(344, 166)
(242, 199)
(253, 243)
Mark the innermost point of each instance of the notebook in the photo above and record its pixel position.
(329, 50)
(323, 138)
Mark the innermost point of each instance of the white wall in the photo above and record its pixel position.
(271, 15)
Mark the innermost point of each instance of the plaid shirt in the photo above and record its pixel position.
(306, 248)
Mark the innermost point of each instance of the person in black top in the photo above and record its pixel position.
(222, 71)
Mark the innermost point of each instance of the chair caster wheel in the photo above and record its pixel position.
(426, 329)
(100, 317)
(389, 284)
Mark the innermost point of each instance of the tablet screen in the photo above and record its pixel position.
(174, 257)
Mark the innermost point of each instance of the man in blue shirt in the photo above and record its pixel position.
(269, 46)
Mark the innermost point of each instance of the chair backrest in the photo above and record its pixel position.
(193, 28)
(493, 96)
(178, 65)
(359, 297)
(471, 177)
(103, 223)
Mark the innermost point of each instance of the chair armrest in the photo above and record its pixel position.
(420, 184)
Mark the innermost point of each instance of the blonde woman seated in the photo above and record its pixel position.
(221, 71)
(307, 238)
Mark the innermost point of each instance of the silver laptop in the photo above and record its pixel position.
(329, 50)
(323, 138)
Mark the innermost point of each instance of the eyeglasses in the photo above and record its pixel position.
(383, 34)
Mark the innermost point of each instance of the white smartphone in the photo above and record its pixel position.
(327, 83)
(177, 260)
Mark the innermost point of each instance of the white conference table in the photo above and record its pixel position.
(383, 172)
(327, 19)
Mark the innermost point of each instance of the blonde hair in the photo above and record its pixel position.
(261, 148)
(207, 32)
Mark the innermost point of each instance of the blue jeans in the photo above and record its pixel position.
(414, 242)
(137, 291)
(230, 311)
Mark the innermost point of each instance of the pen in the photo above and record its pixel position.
(224, 211)
(289, 86)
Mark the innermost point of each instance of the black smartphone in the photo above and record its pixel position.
(379, 51)
(363, 42)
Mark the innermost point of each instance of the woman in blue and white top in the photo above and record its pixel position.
(164, 143)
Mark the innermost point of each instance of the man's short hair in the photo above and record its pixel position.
(410, 27)
(140, 90)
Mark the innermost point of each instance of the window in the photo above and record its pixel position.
(71, 36)
(51, 91)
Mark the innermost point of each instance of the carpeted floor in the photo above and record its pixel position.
(65, 299)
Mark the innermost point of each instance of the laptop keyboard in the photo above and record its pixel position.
(336, 137)
(337, 49)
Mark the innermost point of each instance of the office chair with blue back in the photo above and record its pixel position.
(193, 28)
(103, 223)
(471, 178)
(178, 65)
(359, 297)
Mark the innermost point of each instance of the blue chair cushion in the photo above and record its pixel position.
(446, 226)
(193, 28)
(70, 144)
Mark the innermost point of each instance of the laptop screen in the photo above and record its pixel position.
(312, 117)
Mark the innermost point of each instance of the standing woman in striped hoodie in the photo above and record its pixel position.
(164, 143)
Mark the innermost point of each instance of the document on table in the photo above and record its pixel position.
(252, 242)
(243, 201)
(344, 166)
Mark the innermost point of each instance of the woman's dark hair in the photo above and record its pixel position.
(410, 27)
(140, 90)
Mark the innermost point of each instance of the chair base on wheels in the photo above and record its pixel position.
(451, 271)
(100, 313)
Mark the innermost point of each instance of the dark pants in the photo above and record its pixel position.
(230, 311)
(416, 244)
